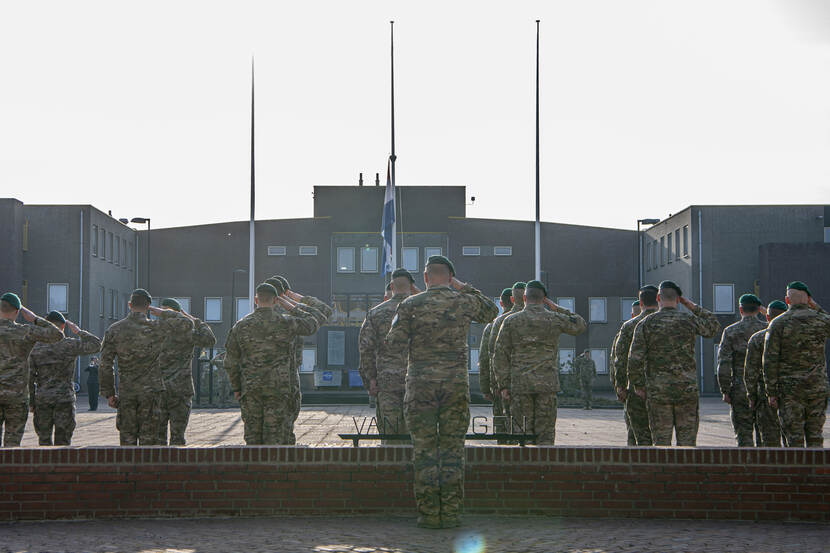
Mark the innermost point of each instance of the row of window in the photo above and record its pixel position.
(498, 251)
(667, 249)
(109, 247)
(283, 250)
(370, 261)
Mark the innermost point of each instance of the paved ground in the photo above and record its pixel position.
(319, 425)
(399, 534)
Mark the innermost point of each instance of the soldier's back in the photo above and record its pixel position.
(136, 341)
(265, 341)
(801, 333)
(54, 369)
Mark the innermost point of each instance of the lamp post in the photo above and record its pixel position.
(233, 294)
(141, 221)
(640, 248)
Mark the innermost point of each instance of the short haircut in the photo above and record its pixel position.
(534, 293)
(774, 312)
(507, 297)
(139, 300)
(669, 294)
(276, 283)
(266, 291)
(6, 307)
(438, 269)
(648, 297)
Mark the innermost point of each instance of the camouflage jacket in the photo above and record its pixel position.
(619, 361)
(52, 368)
(485, 368)
(794, 362)
(732, 353)
(494, 333)
(432, 326)
(586, 369)
(611, 374)
(755, 389)
(16, 342)
(526, 359)
(321, 313)
(662, 354)
(136, 342)
(258, 356)
(377, 360)
(176, 357)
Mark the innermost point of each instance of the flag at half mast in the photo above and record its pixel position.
(387, 230)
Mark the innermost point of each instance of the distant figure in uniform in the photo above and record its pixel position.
(51, 381)
(92, 386)
(433, 326)
(586, 372)
(487, 378)
(795, 367)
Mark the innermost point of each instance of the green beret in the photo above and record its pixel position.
(142, 293)
(284, 281)
(266, 289)
(520, 285)
(507, 295)
(635, 303)
(749, 299)
(441, 260)
(777, 304)
(798, 285)
(56, 317)
(649, 288)
(668, 284)
(11, 299)
(171, 303)
(539, 285)
(403, 273)
(277, 284)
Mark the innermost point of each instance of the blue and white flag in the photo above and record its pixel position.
(386, 230)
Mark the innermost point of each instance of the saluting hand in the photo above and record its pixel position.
(457, 284)
(27, 314)
(687, 303)
(73, 327)
(414, 289)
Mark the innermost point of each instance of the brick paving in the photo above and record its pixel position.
(319, 425)
(479, 534)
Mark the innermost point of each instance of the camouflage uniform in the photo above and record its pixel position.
(378, 362)
(635, 406)
(795, 372)
(176, 362)
(525, 362)
(764, 416)
(16, 342)
(259, 365)
(501, 408)
(586, 371)
(433, 327)
(486, 378)
(662, 361)
(731, 357)
(136, 341)
(51, 389)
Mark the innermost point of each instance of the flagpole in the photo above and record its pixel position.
(538, 223)
(392, 157)
(251, 288)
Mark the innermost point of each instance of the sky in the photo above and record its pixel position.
(646, 106)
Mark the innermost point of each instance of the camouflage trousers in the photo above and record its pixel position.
(680, 417)
(537, 414)
(390, 417)
(742, 416)
(13, 416)
(296, 406)
(175, 411)
(767, 425)
(57, 416)
(802, 420)
(587, 393)
(501, 414)
(267, 419)
(138, 419)
(437, 416)
(637, 413)
(631, 439)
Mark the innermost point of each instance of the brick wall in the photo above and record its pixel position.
(103, 482)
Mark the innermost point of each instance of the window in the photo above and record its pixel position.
(429, 252)
(566, 359)
(625, 308)
(369, 260)
(473, 360)
(471, 250)
(308, 250)
(113, 301)
(243, 307)
(345, 260)
(25, 245)
(276, 250)
(109, 247)
(357, 309)
(410, 259)
(124, 253)
(502, 250)
(185, 303)
(567, 303)
(686, 241)
(336, 342)
(309, 360)
(340, 305)
(102, 300)
(662, 250)
(125, 305)
(103, 244)
(724, 298)
(677, 244)
(600, 359)
(213, 310)
(655, 254)
(58, 297)
(668, 248)
(598, 310)
(93, 240)
(117, 254)
(647, 258)
(131, 253)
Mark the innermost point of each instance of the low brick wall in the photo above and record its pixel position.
(106, 482)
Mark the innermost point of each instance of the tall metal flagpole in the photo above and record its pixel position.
(251, 289)
(538, 224)
(393, 157)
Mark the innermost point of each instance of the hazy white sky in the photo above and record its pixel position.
(647, 107)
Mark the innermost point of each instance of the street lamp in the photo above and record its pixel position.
(141, 221)
(640, 247)
(233, 293)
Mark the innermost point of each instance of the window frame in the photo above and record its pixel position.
(93, 241)
(48, 290)
(662, 251)
(301, 254)
(677, 244)
(573, 302)
(273, 251)
(715, 309)
(236, 307)
(559, 360)
(205, 312)
(668, 248)
(303, 370)
(686, 240)
(473, 368)
(626, 315)
(403, 258)
(464, 251)
(337, 263)
(508, 254)
(364, 251)
(427, 253)
(102, 300)
(590, 311)
(109, 247)
(605, 358)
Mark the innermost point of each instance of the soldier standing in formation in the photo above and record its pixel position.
(525, 361)
(51, 381)
(636, 412)
(176, 361)
(433, 326)
(16, 342)
(92, 385)
(635, 310)
(487, 378)
(767, 427)
(586, 372)
(135, 341)
(503, 406)
(731, 358)
(795, 367)
(662, 367)
(381, 368)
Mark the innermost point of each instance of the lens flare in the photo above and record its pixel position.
(469, 543)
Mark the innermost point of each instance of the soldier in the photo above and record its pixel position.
(767, 427)
(259, 363)
(176, 361)
(51, 381)
(636, 413)
(635, 310)
(662, 368)
(731, 357)
(487, 379)
(433, 327)
(387, 293)
(136, 342)
(525, 361)
(795, 369)
(586, 372)
(16, 342)
(385, 370)
(517, 297)
(92, 385)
